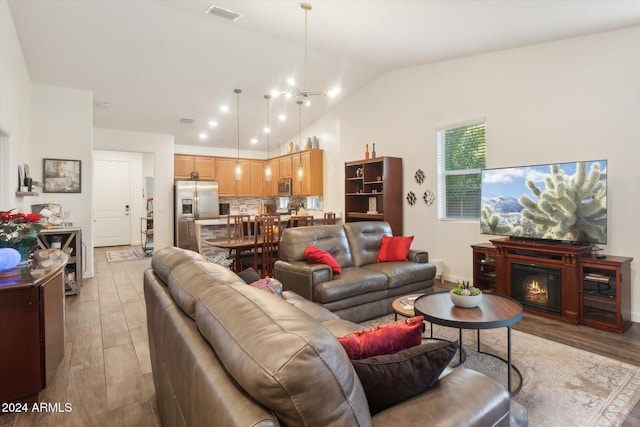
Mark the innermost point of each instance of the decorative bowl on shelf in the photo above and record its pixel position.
(464, 295)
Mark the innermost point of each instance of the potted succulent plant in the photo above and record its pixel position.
(465, 295)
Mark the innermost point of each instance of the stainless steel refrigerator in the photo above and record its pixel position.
(193, 200)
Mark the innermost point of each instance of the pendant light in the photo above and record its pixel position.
(267, 130)
(238, 166)
(300, 170)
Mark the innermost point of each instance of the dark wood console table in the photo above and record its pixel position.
(32, 332)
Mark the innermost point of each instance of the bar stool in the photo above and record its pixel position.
(300, 220)
(329, 218)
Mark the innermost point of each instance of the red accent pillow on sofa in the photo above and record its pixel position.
(320, 256)
(394, 248)
(388, 338)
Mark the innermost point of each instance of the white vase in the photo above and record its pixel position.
(465, 301)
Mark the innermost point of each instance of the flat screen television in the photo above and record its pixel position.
(564, 202)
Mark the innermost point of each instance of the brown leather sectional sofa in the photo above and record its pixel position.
(365, 288)
(225, 353)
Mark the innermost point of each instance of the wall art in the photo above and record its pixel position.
(62, 176)
(411, 198)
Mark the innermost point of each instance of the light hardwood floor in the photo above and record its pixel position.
(106, 372)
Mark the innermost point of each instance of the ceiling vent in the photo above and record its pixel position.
(223, 13)
(187, 121)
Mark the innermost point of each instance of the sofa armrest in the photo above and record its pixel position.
(418, 255)
(301, 276)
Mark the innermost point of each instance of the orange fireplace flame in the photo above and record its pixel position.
(536, 293)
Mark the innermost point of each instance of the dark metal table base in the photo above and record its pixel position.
(510, 365)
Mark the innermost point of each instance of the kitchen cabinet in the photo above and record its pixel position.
(226, 176)
(185, 164)
(271, 187)
(251, 183)
(285, 166)
(312, 182)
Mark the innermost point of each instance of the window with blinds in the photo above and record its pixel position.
(461, 156)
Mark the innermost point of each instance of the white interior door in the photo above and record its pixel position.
(112, 203)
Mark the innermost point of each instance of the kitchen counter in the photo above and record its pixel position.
(317, 216)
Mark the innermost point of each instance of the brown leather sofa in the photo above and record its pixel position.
(365, 288)
(225, 353)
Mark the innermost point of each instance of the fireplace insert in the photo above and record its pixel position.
(537, 287)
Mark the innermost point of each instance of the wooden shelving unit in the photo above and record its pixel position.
(484, 266)
(605, 292)
(373, 191)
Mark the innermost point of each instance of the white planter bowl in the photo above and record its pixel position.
(463, 301)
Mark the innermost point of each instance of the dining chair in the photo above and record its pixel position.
(239, 227)
(267, 243)
(300, 220)
(329, 218)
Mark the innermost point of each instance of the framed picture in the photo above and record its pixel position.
(61, 176)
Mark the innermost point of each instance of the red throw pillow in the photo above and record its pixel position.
(382, 339)
(320, 256)
(394, 248)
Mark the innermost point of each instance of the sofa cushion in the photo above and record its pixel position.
(351, 282)
(364, 240)
(166, 259)
(387, 338)
(330, 238)
(189, 279)
(392, 378)
(320, 256)
(282, 357)
(394, 248)
(401, 273)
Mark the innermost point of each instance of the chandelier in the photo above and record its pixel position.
(267, 131)
(304, 93)
(238, 164)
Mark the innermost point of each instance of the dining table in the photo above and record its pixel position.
(237, 245)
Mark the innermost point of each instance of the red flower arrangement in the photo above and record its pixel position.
(15, 227)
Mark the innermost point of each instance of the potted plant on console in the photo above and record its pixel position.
(464, 295)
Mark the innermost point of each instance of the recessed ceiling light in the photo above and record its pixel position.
(266, 130)
(224, 108)
(222, 13)
(213, 123)
(282, 117)
(254, 140)
(202, 135)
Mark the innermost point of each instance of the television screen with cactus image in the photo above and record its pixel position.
(561, 201)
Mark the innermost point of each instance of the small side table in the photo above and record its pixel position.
(404, 305)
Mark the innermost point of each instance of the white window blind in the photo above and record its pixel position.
(461, 156)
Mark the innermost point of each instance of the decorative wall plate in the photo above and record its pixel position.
(428, 197)
(411, 198)
(419, 176)
(359, 172)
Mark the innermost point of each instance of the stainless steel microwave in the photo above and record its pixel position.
(284, 187)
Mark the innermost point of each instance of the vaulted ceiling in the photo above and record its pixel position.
(150, 63)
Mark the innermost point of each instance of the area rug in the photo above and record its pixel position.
(125, 255)
(563, 386)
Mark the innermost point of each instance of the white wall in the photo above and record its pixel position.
(62, 128)
(15, 90)
(577, 99)
(161, 146)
